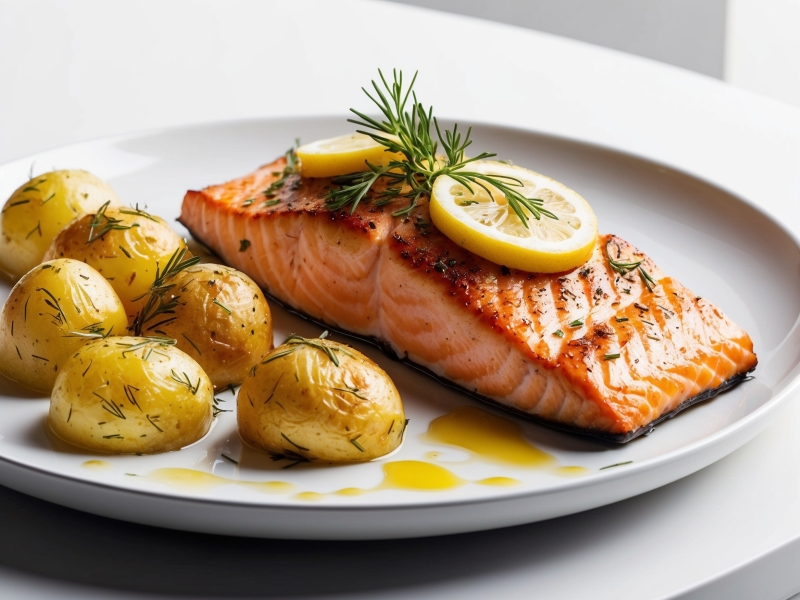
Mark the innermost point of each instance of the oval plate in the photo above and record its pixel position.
(718, 245)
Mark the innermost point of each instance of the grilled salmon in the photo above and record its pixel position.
(591, 350)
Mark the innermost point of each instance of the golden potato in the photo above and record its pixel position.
(314, 399)
(219, 317)
(51, 312)
(128, 395)
(37, 211)
(126, 246)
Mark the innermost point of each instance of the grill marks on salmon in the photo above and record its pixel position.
(538, 344)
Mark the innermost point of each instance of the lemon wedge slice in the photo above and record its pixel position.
(341, 155)
(486, 225)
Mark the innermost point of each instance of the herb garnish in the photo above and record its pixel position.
(408, 132)
(623, 268)
(294, 341)
(355, 443)
(103, 223)
(186, 381)
(619, 464)
(289, 455)
(156, 304)
(292, 167)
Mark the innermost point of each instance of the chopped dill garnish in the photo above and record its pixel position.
(576, 323)
(611, 356)
(558, 333)
(286, 437)
(619, 464)
(152, 422)
(623, 268)
(244, 245)
(289, 455)
(222, 306)
(292, 167)
(229, 459)
(355, 443)
(188, 339)
(217, 409)
(353, 391)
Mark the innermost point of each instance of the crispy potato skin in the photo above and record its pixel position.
(302, 403)
(51, 312)
(112, 399)
(127, 257)
(36, 212)
(222, 320)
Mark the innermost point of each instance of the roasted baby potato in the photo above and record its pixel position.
(37, 211)
(314, 399)
(51, 312)
(219, 317)
(126, 246)
(126, 395)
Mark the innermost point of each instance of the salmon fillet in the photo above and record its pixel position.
(543, 345)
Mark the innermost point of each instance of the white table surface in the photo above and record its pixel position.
(74, 70)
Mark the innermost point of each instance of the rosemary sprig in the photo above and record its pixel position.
(93, 331)
(406, 130)
(149, 341)
(185, 381)
(294, 341)
(157, 304)
(138, 213)
(101, 224)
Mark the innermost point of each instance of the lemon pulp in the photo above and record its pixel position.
(341, 155)
(483, 222)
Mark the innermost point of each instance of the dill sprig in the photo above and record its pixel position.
(157, 302)
(101, 224)
(406, 130)
(294, 341)
(623, 268)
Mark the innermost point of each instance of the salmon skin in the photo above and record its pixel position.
(592, 350)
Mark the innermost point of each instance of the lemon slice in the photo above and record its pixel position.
(341, 155)
(486, 225)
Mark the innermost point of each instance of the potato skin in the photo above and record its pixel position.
(36, 212)
(110, 398)
(222, 320)
(51, 312)
(128, 257)
(301, 403)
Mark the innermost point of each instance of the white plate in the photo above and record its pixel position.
(718, 245)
